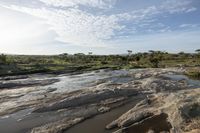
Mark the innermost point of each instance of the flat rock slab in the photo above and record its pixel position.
(88, 98)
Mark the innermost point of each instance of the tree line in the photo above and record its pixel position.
(151, 58)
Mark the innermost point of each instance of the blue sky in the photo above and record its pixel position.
(100, 26)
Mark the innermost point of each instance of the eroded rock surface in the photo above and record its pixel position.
(173, 108)
(165, 104)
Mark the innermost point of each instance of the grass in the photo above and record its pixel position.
(193, 72)
(26, 64)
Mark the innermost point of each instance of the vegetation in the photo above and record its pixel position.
(198, 50)
(3, 59)
(24, 64)
(193, 73)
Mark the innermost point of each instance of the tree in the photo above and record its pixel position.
(151, 51)
(129, 52)
(3, 59)
(154, 62)
(198, 54)
(137, 58)
(197, 51)
(89, 53)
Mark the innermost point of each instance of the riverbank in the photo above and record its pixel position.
(11, 65)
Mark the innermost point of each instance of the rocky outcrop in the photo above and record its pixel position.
(57, 127)
(155, 124)
(26, 83)
(163, 105)
(88, 97)
(176, 113)
(129, 118)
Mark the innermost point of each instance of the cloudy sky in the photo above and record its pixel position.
(100, 26)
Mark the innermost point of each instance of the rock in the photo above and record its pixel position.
(190, 110)
(171, 103)
(51, 90)
(57, 127)
(135, 117)
(88, 97)
(144, 102)
(151, 131)
(18, 84)
(157, 123)
(190, 113)
(130, 118)
(138, 75)
(137, 82)
(164, 132)
(112, 125)
(103, 109)
(119, 131)
(14, 77)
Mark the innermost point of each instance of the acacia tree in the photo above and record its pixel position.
(89, 53)
(155, 57)
(197, 51)
(151, 51)
(129, 52)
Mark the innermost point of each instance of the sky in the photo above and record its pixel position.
(98, 26)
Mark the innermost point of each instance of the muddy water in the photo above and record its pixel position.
(98, 123)
(23, 121)
(151, 124)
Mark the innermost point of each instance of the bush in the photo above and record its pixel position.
(3, 59)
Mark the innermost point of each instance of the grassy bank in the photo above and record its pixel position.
(27, 64)
(193, 73)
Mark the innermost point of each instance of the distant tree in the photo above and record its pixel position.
(3, 59)
(181, 53)
(79, 54)
(65, 54)
(197, 51)
(89, 53)
(151, 51)
(129, 52)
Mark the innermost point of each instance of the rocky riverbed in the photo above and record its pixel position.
(132, 101)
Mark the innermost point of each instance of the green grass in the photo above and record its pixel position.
(26, 64)
(193, 72)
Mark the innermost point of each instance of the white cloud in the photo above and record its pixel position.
(78, 27)
(176, 6)
(192, 9)
(147, 14)
(189, 26)
(74, 3)
(75, 26)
